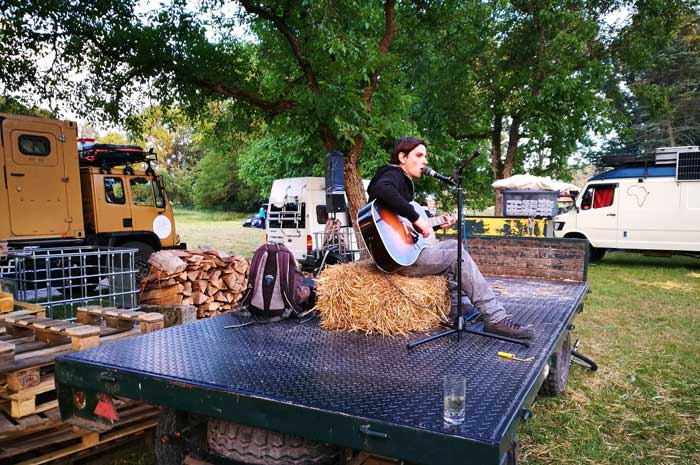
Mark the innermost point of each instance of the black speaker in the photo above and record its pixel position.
(335, 182)
(335, 202)
(335, 173)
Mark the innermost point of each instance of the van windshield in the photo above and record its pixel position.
(291, 215)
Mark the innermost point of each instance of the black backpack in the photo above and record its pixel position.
(276, 287)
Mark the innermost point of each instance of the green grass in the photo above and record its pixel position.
(222, 230)
(640, 324)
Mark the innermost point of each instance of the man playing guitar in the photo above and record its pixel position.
(392, 188)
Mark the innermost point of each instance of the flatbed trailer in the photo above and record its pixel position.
(363, 392)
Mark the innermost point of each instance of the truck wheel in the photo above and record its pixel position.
(140, 259)
(258, 446)
(595, 254)
(168, 450)
(559, 363)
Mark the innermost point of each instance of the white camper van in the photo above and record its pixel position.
(642, 205)
(298, 217)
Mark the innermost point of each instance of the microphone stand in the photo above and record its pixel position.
(458, 326)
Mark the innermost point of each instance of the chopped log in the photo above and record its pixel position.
(187, 290)
(209, 279)
(166, 261)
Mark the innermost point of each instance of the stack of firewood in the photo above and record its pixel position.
(207, 278)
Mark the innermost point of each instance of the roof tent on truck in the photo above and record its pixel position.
(107, 156)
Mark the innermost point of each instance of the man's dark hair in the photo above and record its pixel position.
(405, 145)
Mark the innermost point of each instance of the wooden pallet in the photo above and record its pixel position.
(31, 431)
(26, 401)
(47, 439)
(31, 343)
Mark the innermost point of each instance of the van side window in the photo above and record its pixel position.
(604, 196)
(321, 214)
(114, 191)
(36, 146)
(141, 192)
(598, 197)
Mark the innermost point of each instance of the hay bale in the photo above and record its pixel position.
(358, 297)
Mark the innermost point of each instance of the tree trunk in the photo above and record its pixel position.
(503, 168)
(513, 140)
(496, 163)
(354, 189)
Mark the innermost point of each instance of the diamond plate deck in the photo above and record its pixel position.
(371, 377)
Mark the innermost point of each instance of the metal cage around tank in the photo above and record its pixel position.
(63, 278)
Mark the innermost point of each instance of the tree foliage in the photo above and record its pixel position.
(666, 92)
(247, 92)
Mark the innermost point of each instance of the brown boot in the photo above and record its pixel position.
(509, 328)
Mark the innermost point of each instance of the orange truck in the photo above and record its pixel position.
(47, 198)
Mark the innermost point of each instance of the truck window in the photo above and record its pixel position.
(321, 214)
(114, 191)
(35, 146)
(598, 197)
(141, 192)
(160, 200)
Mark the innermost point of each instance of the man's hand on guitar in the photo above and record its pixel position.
(449, 221)
(423, 227)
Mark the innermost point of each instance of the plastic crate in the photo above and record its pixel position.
(538, 203)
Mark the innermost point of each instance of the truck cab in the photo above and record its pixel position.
(647, 205)
(48, 197)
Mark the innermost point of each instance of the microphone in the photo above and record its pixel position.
(431, 172)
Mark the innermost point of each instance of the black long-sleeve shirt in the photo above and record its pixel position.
(393, 189)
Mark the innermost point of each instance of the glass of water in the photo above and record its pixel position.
(455, 387)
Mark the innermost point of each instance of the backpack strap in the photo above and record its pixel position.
(259, 255)
(288, 274)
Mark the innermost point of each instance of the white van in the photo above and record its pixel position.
(297, 216)
(648, 205)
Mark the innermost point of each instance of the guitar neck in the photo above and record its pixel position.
(436, 220)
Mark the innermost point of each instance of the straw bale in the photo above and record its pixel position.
(358, 297)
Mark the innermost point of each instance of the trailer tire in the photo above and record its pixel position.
(559, 364)
(258, 446)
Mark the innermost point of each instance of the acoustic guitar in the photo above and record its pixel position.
(391, 239)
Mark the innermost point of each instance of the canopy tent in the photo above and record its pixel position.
(529, 182)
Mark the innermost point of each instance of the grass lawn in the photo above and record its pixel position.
(222, 230)
(641, 324)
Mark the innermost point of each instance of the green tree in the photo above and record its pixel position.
(315, 67)
(14, 106)
(113, 137)
(172, 134)
(667, 93)
(525, 80)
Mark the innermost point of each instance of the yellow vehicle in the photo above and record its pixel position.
(47, 198)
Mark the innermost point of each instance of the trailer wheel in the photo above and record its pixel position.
(559, 363)
(258, 446)
(512, 454)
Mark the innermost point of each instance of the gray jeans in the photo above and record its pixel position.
(440, 257)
